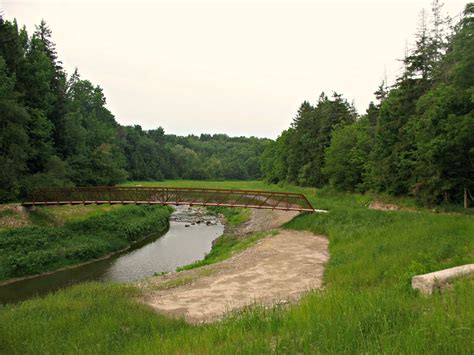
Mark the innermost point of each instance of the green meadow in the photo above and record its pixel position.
(367, 305)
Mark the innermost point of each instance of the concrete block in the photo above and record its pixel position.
(427, 283)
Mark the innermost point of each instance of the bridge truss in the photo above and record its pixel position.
(171, 196)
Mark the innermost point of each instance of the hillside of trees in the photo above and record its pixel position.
(417, 139)
(55, 130)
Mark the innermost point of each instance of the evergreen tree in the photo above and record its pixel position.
(13, 138)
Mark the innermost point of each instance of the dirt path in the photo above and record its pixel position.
(277, 269)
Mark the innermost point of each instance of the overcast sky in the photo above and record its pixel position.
(235, 67)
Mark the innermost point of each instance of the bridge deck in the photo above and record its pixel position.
(170, 196)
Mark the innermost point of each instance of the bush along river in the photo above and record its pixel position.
(188, 239)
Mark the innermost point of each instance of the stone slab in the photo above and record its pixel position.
(427, 283)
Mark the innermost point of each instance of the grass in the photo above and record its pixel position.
(228, 244)
(403, 201)
(49, 216)
(174, 283)
(88, 323)
(58, 215)
(234, 216)
(10, 217)
(367, 305)
(6, 213)
(33, 250)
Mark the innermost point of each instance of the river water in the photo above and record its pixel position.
(182, 244)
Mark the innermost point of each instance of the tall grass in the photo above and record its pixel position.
(90, 318)
(367, 305)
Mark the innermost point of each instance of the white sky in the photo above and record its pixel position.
(235, 67)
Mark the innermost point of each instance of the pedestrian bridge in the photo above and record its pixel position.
(170, 196)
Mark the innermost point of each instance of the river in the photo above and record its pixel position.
(185, 242)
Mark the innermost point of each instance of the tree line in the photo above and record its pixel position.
(55, 130)
(417, 138)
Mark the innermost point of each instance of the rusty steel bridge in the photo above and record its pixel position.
(170, 196)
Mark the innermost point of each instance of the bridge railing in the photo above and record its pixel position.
(171, 196)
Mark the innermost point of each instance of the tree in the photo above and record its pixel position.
(346, 157)
(13, 138)
(313, 127)
(274, 160)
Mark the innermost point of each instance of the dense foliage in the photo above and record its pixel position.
(298, 154)
(33, 250)
(417, 139)
(154, 155)
(55, 130)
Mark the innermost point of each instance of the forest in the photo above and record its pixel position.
(418, 137)
(57, 131)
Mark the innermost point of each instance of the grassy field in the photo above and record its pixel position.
(54, 216)
(42, 247)
(49, 216)
(402, 201)
(366, 307)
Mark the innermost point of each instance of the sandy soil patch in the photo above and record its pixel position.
(264, 220)
(13, 216)
(383, 206)
(275, 270)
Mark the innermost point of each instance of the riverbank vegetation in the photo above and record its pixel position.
(233, 216)
(225, 246)
(229, 243)
(367, 305)
(47, 246)
(12, 216)
(49, 216)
